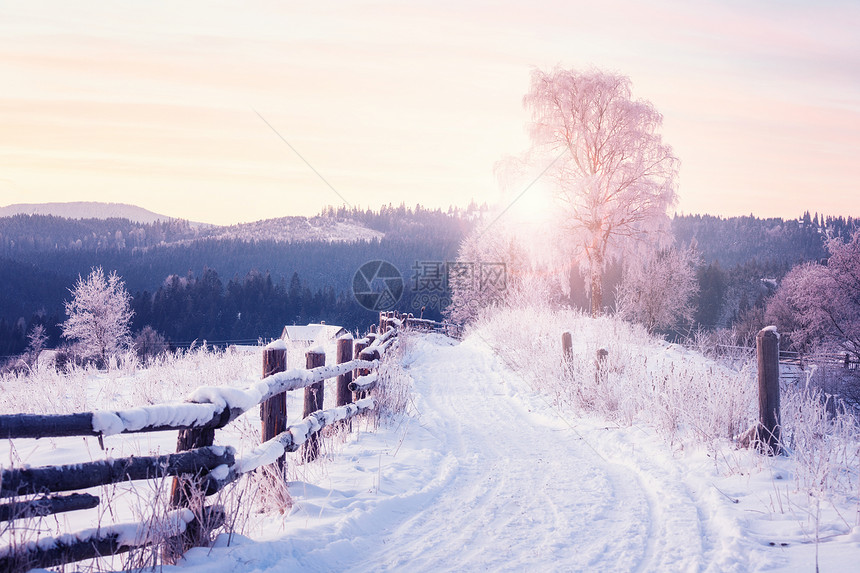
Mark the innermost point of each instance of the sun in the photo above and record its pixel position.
(533, 204)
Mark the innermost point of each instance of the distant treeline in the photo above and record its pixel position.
(744, 258)
(190, 287)
(217, 289)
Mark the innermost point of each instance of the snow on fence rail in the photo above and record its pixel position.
(199, 468)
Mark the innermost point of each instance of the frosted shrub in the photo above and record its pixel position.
(392, 391)
(824, 439)
(168, 378)
(641, 376)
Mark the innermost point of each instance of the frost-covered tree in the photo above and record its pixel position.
(99, 314)
(818, 306)
(613, 175)
(149, 343)
(657, 290)
(491, 269)
(37, 338)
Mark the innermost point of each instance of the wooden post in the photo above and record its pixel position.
(344, 354)
(767, 351)
(566, 347)
(313, 402)
(273, 412)
(359, 346)
(600, 366)
(186, 492)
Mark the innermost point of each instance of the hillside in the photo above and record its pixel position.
(297, 229)
(85, 210)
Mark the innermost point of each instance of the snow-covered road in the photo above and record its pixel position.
(524, 490)
(486, 476)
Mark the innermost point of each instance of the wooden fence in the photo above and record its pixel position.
(424, 325)
(793, 358)
(199, 469)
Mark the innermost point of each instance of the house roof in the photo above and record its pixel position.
(312, 333)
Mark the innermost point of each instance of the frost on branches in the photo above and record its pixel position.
(657, 289)
(614, 177)
(99, 315)
(818, 306)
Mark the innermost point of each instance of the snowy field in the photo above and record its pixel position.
(488, 469)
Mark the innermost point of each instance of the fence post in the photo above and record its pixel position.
(767, 352)
(273, 412)
(600, 366)
(186, 492)
(344, 354)
(313, 402)
(359, 346)
(566, 347)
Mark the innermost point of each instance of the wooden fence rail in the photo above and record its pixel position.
(200, 469)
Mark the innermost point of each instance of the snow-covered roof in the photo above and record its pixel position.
(312, 333)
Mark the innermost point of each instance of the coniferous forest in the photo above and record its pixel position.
(193, 283)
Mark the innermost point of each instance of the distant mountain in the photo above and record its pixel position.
(85, 210)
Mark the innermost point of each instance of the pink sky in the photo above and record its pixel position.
(152, 103)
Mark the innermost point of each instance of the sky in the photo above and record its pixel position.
(228, 111)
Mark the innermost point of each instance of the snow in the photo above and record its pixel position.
(266, 453)
(362, 381)
(772, 329)
(277, 344)
(222, 397)
(484, 473)
(127, 534)
(131, 420)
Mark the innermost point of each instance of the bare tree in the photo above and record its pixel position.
(657, 289)
(613, 175)
(99, 314)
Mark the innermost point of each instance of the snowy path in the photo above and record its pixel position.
(565, 508)
(485, 478)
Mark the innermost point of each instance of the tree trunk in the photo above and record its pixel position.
(596, 289)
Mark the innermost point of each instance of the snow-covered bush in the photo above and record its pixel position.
(493, 269)
(641, 377)
(148, 343)
(818, 306)
(657, 289)
(393, 391)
